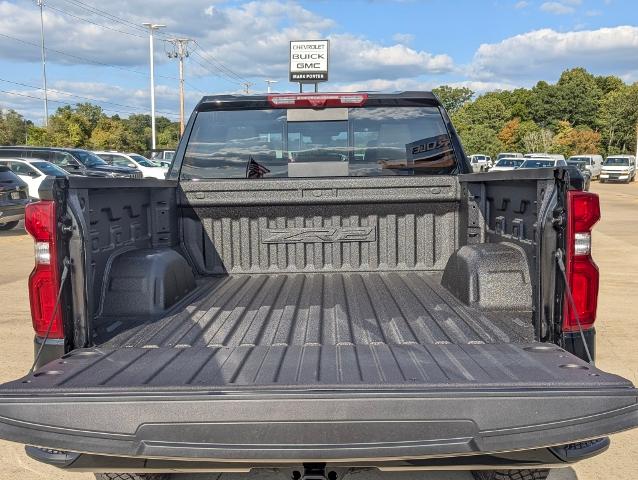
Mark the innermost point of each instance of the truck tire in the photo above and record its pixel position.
(540, 474)
(8, 225)
(131, 476)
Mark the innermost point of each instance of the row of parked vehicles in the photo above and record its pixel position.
(23, 168)
(621, 168)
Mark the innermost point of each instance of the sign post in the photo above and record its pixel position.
(309, 62)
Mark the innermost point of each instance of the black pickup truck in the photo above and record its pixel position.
(320, 286)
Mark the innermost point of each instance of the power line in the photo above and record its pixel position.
(62, 92)
(212, 60)
(59, 101)
(104, 14)
(88, 60)
(216, 74)
(63, 12)
(224, 71)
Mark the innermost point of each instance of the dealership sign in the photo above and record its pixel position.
(309, 61)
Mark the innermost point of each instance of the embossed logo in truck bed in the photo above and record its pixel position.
(319, 235)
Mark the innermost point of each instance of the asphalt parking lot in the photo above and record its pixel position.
(616, 253)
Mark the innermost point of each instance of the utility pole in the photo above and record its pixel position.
(269, 83)
(40, 3)
(180, 50)
(247, 86)
(151, 29)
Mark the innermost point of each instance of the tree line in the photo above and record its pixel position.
(85, 125)
(581, 113)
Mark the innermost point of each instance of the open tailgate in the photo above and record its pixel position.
(408, 402)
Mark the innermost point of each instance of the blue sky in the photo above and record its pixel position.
(98, 51)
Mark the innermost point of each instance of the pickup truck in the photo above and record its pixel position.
(320, 286)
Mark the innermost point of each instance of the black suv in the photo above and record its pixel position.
(74, 160)
(14, 196)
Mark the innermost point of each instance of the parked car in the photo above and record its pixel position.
(509, 155)
(32, 171)
(480, 163)
(262, 313)
(593, 163)
(553, 156)
(149, 168)
(75, 161)
(163, 157)
(581, 165)
(14, 196)
(540, 162)
(507, 164)
(619, 168)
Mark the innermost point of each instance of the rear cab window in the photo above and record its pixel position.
(368, 140)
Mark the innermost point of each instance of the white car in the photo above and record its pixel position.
(593, 163)
(480, 163)
(619, 168)
(149, 168)
(32, 171)
(507, 164)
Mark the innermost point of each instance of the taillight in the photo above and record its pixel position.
(318, 100)
(582, 273)
(44, 281)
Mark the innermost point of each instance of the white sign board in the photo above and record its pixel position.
(309, 61)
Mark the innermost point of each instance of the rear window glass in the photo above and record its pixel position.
(617, 161)
(586, 160)
(538, 163)
(509, 163)
(356, 142)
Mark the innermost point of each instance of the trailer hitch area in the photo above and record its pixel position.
(314, 471)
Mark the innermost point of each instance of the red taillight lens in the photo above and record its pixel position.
(318, 100)
(583, 213)
(44, 281)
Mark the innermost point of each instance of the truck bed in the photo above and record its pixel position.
(319, 328)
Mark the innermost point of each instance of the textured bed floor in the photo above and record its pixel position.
(392, 308)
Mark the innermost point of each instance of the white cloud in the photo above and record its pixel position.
(252, 38)
(557, 8)
(543, 54)
(404, 38)
(380, 85)
(522, 4)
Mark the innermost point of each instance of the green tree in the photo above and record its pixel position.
(110, 134)
(453, 98)
(481, 139)
(13, 128)
(578, 97)
(617, 120)
(609, 83)
(487, 111)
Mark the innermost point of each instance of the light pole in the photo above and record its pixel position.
(151, 28)
(269, 83)
(40, 3)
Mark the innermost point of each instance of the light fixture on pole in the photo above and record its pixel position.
(269, 83)
(40, 3)
(151, 29)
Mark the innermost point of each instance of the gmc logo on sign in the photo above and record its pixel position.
(319, 235)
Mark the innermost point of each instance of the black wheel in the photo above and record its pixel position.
(131, 476)
(510, 474)
(8, 225)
